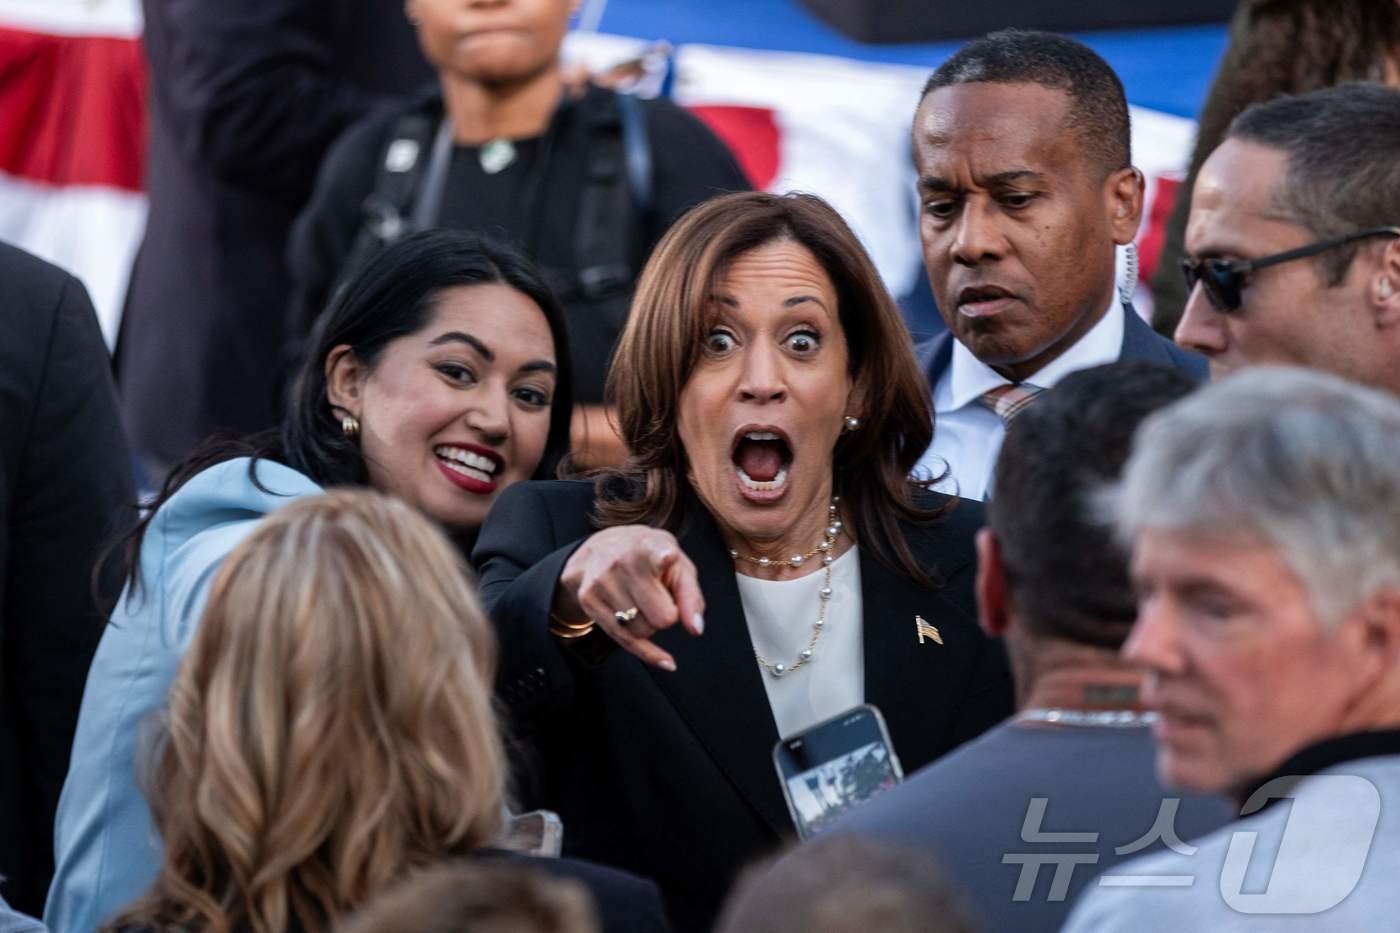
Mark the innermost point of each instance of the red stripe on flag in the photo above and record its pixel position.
(72, 109)
(751, 133)
(1155, 236)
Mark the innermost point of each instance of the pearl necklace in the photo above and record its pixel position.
(833, 532)
(1118, 718)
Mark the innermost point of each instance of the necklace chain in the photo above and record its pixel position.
(1084, 717)
(828, 542)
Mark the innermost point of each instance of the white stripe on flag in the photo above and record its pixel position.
(90, 231)
(117, 18)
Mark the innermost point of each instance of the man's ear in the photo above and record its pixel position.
(1123, 193)
(1376, 635)
(345, 379)
(1385, 287)
(991, 585)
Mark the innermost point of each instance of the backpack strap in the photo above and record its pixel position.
(617, 184)
(637, 148)
(386, 209)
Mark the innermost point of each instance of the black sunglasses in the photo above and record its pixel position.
(1224, 278)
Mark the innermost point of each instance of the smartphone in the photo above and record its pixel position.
(829, 768)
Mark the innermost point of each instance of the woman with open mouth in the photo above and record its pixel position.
(764, 560)
(438, 375)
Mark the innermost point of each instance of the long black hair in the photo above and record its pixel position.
(393, 294)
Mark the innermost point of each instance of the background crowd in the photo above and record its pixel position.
(487, 480)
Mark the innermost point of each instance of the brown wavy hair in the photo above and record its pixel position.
(673, 309)
(1276, 47)
(330, 728)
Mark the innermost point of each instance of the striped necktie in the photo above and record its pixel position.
(1008, 401)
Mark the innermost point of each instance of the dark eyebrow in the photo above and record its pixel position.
(456, 336)
(1005, 178)
(936, 183)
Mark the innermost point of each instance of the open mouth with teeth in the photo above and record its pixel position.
(761, 462)
(472, 469)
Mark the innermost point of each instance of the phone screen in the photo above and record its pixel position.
(835, 765)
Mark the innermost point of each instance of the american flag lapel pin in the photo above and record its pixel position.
(926, 631)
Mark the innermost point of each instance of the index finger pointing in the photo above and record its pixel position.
(684, 584)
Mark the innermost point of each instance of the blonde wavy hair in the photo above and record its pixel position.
(331, 727)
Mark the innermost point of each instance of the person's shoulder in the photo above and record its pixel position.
(625, 901)
(221, 498)
(592, 873)
(680, 139)
(664, 112)
(18, 262)
(949, 540)
(922, 800)
(1143, 908)
(32, 285)
(1141, 342)
(552, 495)
(360, 143)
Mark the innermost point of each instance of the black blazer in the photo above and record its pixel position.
(624, 902)
(65, 489)
(671, 775)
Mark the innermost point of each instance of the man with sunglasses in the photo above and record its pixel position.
(1294, 238)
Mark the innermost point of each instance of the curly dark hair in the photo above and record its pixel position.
(1277, 47)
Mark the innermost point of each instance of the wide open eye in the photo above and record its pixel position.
(803, 342)
(719, 342)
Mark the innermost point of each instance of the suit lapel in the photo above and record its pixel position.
(934, 356)
(717, 686)
(898, 668)
(1140, 342)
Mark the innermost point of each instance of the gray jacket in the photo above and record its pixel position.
(1325, 863)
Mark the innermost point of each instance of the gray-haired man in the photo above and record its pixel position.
(1294, 238)
(1264, 516)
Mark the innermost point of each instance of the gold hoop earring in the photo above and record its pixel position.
(350, 425)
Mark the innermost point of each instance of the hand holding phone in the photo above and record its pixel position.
(834, 765)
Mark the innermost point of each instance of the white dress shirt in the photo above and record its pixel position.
(967, 435)
(780, 614)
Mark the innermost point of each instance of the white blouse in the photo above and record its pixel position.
(780, 614)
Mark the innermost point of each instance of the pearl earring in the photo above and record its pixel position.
(350, 426)
(851, 423)
(1384, 289)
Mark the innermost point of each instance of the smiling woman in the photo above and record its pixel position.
(763, 555)
(439, 375)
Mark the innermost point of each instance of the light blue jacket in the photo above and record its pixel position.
(12, 921)
(105, 846)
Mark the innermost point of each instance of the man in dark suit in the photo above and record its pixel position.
(1078, 756)
(65, 490)
(245, 99)
(1022, 148)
